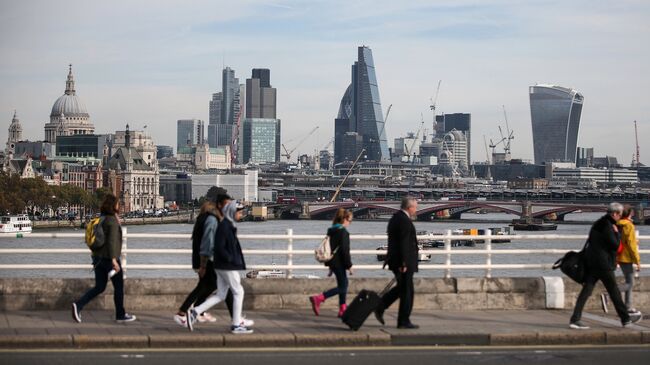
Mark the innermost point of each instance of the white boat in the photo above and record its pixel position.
(266, 274)
(15, 224)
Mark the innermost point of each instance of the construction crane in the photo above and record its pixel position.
(487, 154)
(510, 134)
(638, 154)
(434, 101)
(328, 145)
(409, 151)
(288, 153)
(338, 189)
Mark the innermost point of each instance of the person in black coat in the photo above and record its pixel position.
(600, 263)
(402, 260)
(340, 245)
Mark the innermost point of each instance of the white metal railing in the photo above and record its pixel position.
(447, 251)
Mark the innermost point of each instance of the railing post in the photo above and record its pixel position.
(124, 248)
(290, 254)
(448, 250)
(488, 248)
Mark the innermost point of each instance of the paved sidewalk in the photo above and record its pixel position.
(291, 328)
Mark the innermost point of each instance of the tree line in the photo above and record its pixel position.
(34, 196)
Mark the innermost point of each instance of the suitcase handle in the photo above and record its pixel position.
(387, 287)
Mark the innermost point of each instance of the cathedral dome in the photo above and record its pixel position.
(69, 104)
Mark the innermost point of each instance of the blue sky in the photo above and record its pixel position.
(153, 62)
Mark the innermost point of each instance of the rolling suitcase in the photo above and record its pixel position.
(362, 305)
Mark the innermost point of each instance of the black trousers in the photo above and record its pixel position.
(102, 267)
(609, 281)
(405, 292)
(206, 286)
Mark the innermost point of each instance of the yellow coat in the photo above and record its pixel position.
(630, 253)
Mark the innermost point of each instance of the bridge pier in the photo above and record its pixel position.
(526, 209)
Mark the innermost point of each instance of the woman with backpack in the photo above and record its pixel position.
(106, 263)
(340, 262)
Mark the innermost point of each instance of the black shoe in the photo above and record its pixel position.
(634, 318)
(577, 325)
(379, 314)
(75, 313)
(408, 326)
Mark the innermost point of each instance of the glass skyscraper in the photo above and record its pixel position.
(555, 115)
(361, 110)
(261, 139)
(225, 108)
(189, 132)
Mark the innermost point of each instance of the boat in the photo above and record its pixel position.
(532, 224)
(266, 274)
(422, 257)
(17, 225)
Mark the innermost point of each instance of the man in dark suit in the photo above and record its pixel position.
(402, 260)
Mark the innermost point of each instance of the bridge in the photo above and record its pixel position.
(428, 210)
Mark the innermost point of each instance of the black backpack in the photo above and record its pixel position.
(572, 264)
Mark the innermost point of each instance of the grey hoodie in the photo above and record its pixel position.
(229, 212)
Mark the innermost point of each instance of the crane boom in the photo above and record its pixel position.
(638, 154)
(287, 154)
(338, 189)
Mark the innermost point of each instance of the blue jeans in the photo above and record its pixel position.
(102, 267)
(341, 286)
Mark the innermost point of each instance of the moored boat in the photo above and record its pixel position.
(11, 225)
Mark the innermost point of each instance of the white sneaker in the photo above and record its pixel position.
(181, 320)
(207, 317)
(247, 322)
(238, 330)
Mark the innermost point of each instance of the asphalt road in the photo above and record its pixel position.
(592, 355)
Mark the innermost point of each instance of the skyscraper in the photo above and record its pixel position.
(260, 132)
(225, 108)
(555, 116)
(189, 132)
(361, 110)
(459, 121)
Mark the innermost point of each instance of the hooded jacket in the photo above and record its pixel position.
(600, 253)
(630, 253)
(227, 250)
(339, 238)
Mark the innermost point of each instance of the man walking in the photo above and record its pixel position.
(600, 263)
(402, 260)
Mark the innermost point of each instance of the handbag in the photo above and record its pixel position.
(572, 264)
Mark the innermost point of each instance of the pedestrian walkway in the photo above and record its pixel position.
(291, 328)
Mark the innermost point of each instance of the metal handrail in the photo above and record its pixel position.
(290, 252)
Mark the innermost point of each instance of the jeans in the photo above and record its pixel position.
(405, 292)
(341, 286)
(102, 267)
(206, 285)
(628, 272)
(226, 280)
(609, 281)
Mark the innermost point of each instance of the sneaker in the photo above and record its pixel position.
(577, 325)
(75, 313)
(603, 302)
(636, 318)
(239, 330)
(181, 320)
(246, 322)
(633, 312)
(191, 316)
(207, 317)
(127, 318)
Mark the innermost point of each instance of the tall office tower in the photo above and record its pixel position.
(361, 108)
(189, 132)
(225, 108)
(445, 123)
(260, 131)
(585, 157)
(555, 116)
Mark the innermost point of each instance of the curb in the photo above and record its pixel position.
(322, 340)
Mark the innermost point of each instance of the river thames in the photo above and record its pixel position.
(302, 227)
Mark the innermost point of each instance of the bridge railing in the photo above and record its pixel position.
(447, 251)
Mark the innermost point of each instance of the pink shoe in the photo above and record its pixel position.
(316, 301)
(342, 309)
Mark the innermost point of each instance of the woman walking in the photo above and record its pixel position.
(106, 263)
(340, 245)
(628, 255)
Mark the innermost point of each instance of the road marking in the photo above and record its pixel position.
(613, 322)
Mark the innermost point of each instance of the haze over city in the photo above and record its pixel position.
(152, 63)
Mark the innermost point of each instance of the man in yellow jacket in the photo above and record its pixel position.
(628, 255)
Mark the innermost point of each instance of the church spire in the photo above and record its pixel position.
(69, 84)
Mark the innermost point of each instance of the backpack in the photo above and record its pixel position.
(572, 264)
(95, 237)
(323, 253)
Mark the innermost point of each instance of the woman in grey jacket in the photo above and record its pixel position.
(106, 264)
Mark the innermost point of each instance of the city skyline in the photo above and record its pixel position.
(155, 65)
